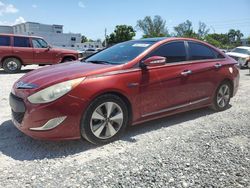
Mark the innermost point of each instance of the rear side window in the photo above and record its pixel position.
(4, 41)
(199, 51)
(21, 42)
(174, 52)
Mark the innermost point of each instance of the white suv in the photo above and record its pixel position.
(242, 55)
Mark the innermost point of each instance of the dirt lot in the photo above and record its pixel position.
(195, 149)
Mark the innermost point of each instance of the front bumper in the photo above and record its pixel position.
(27, 116)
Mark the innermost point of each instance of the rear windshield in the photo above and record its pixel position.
(121, 53)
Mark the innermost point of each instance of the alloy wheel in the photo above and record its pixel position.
(12, 65)
(223, 96)
(106, 120)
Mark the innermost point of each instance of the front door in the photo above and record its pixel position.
(41, 51)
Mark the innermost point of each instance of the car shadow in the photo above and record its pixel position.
(18, 146)
(20, 72)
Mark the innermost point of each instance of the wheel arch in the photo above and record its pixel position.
(123, 97)
(231, 83)
(68, 56)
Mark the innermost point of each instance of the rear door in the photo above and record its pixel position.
(205, 64)
(42, 52)
(22, 49)
(5, 46)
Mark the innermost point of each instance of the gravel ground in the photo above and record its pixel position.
(194, 149)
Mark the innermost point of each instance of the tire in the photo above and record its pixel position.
(12, 65)
(222, 97)
(240, 66)
(67, 59)
(98, 124)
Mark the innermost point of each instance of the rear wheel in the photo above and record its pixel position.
(12, 65)
(222, 97)
(105, 119)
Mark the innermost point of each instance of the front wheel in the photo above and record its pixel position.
(222, 97)
(105, 119)
(12, 65)
(67, 59)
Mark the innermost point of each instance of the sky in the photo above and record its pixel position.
(91, 17)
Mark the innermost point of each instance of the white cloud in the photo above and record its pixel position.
(19, 20)
(81, 4)
(34, 6)
(7, 8)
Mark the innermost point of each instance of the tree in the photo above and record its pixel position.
(185, 29)
(203, 30)
(84, 39)
(234, 37)
(121, 33)
(248, 40)
(99, 40)
(218, 40)
(155, 27)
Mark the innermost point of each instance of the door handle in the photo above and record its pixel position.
(218, 65)
(186, 72)
(16, 51)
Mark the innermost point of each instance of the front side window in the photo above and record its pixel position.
(174, 52)
(39, 43)
(21, 42)
(4, 41)
(199, 51)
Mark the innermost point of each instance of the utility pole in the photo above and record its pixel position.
(105, 40)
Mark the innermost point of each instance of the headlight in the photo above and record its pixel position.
(242, 60)
(54, 92)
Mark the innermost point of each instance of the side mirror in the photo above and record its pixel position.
(48, 48)
(153, 61)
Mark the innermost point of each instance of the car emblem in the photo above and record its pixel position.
(22, 85)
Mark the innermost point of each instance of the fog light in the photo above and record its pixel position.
(51, 124)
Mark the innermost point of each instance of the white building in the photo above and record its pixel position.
(6, 29)
(245, 42)
(51, 33)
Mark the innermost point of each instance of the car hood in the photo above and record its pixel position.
(234, 54)
(53, 74)
(65, 51)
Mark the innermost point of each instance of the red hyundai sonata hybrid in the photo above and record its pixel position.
(127, 84)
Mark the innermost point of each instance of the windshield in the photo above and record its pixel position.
(241, 51)
(121, 53)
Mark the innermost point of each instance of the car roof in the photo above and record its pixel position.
(156, 39)
(18, 35)
(244, 47)
(160, 39)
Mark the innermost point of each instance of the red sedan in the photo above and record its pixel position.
(127, 84)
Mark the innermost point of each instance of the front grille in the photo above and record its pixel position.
(17, 107)
(18, 116)
(236, 58)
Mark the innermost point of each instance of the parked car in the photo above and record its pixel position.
(89, 52)
(126, 84)
(241, 55)
(17, 51)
